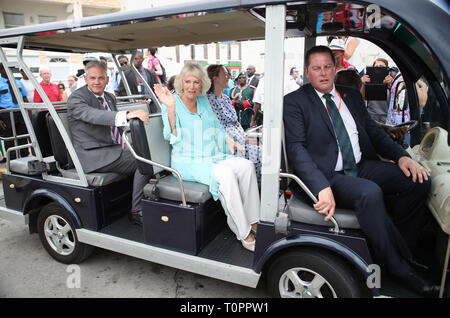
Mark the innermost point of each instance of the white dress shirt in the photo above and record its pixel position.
(258, 96)
(349, 124)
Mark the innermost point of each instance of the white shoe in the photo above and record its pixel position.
(249, 245)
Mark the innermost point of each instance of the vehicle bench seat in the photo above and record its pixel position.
(301, 211)
(300, 208)
(149, 143)
(62, 157)
(95, 179)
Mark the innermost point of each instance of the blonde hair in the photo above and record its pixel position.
(196, 70)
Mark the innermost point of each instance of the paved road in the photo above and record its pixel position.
(26, 270)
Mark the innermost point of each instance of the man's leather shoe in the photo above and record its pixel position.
(135, 218)
(414, 281)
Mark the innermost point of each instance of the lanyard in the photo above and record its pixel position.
(143, 75)
(340, 102)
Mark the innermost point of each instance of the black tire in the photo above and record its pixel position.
(57, 234)
(328, 271)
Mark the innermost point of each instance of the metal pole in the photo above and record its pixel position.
(272, 122)
(122, 74)
(51, 109)
(444, 273)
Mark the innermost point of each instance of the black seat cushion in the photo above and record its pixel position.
(57, 142)
(95, 179)
(30, 165)
(301, 211)
(140, 145)
(169, 189)
(39, 123)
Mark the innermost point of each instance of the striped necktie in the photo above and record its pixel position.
(115, 133)
(345, 146)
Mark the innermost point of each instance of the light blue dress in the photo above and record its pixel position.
(199, 143)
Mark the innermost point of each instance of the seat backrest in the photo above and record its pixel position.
(149, 143)
(58, 146)
(39, 123)
(132, 106)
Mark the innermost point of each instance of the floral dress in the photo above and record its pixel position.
(394, 115)
(227, 116)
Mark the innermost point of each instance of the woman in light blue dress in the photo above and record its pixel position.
(202, 152)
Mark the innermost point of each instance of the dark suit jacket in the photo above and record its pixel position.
(311, 144)
(89, 126)
(133, 83)
(254, 81)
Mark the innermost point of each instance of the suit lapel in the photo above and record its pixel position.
(96, 102)
(351, 107)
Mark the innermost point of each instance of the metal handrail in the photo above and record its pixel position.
(252, 132)
(336, 228)
(122, 73)
(152, 163)
(11, 149)
(14, 137)
(12, 121)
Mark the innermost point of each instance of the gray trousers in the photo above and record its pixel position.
(126, 164)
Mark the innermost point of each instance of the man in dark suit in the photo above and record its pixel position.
(94, 125)
(332, 144)
(252, 78)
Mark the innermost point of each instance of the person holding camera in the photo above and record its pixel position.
(377, 108)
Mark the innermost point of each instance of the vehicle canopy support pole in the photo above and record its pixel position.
(122, 74)
(273, 114)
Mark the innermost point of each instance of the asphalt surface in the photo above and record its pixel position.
(27, 270)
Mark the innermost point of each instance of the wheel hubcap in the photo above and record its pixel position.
(304, 283)
(59, 235)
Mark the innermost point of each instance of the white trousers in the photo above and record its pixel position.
(238, 193)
